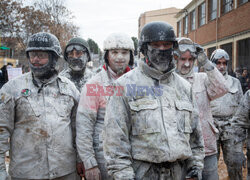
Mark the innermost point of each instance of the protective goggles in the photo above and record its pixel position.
(185, 47)
(76, 47)
(221, 54)
(39, 54)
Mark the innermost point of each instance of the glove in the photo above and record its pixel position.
(201, 55)
(93, 174)
(202, 59)
(3, 173)
(199, 48)
(80, 169)
(194, 173)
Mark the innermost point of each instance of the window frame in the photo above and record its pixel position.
(185, 25)
(212, 11)
(223, 5)
(193, 20)
(199, 14)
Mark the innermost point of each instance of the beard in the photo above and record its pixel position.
(47, 70)
(78, 64)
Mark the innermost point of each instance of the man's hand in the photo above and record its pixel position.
(93, 174)
(80, 169)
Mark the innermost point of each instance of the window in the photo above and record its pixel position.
(179, 28)
(242, 2)
(243, 50)
(227, 5)
(210, 51)
(229, 49)
(212, 9)
(202, 14)
(192, 20)
(186, 25)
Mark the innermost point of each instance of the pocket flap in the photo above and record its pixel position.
(141, 104)
(144, 131)
(184, 105)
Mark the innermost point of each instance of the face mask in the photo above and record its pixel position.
(160, 59)
(78, 64)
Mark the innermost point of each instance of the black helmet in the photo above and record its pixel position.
(156, 31)
(44, 42)
(77, 41)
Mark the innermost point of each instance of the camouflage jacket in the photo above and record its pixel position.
(207, 87)
(38, 120)
(154, 120)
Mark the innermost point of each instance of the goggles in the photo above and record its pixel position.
(185, 47)
(220, 54)
(76, 47)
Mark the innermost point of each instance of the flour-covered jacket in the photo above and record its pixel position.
(79, 83)
(206, 87)
(224, 108)
(154, 120)
(90, 117)
(38, 122)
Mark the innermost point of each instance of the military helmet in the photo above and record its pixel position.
(119, 41)
(218, 54)
(77, 41)
(156, 31)
(44, 41)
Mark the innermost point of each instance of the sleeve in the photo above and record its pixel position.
(196, 141)
(240, 121)
(7, 111)
(73, 118)
(215, 84)
(241, 117)
(117, 148)
(85, 122)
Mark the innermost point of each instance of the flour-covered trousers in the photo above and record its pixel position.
(210, 171)
(233, 158)
(162, 171)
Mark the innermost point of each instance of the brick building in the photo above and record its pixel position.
(167, 14)
(218, 24)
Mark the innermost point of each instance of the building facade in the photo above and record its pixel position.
(167, 14)
(218, 24)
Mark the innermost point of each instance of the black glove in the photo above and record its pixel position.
(199, 48)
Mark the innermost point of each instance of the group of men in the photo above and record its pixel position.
(159, 121)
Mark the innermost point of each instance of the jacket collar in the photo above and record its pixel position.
(154, 73)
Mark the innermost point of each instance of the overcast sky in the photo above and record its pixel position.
(98, 18)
